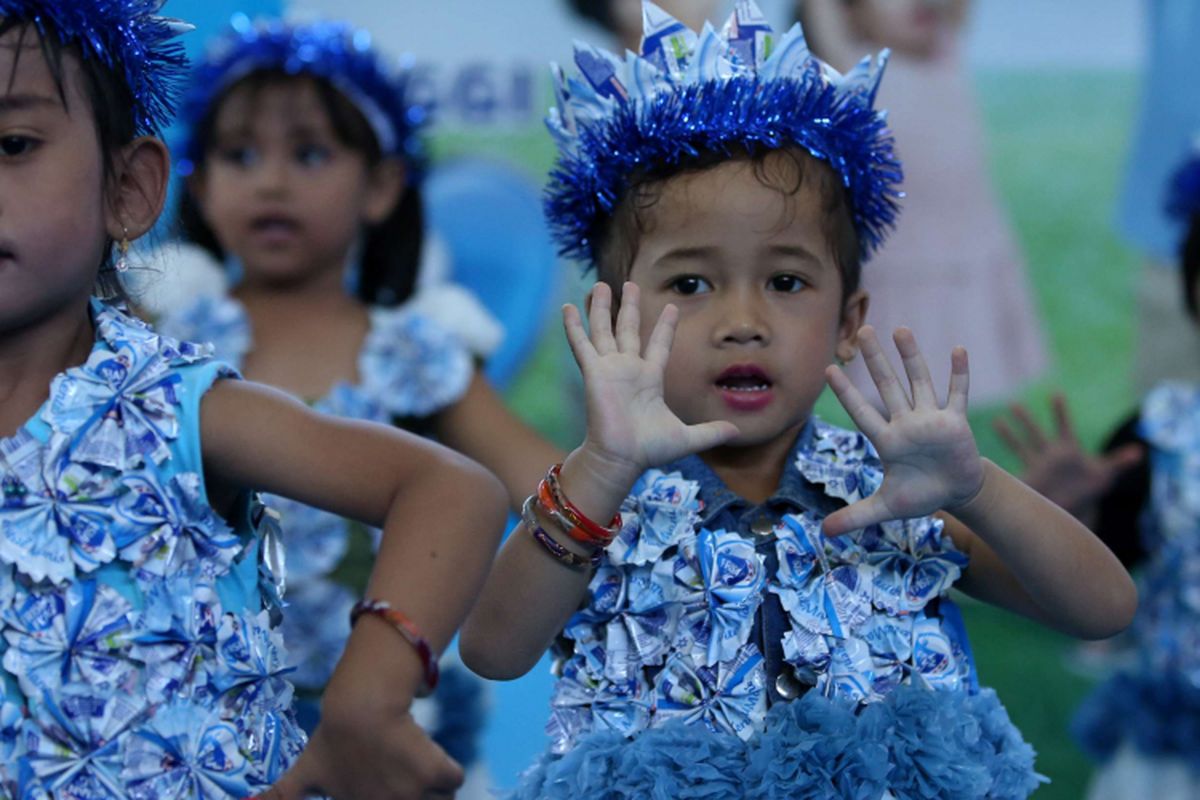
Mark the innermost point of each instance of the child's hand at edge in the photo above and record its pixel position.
(930, 459)
(1058, 466)
(361, 707)
(629, 426)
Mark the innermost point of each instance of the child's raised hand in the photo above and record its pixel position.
(629, 423)
(928, 452)
(1058, 466)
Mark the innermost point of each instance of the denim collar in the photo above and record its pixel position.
(794, 492)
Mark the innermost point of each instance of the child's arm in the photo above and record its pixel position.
(481, 426)
(529, 596)
(442, 516)
(1026, 553)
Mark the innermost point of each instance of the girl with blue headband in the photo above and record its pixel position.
(303, 156)
(748, 602)
(140, 579)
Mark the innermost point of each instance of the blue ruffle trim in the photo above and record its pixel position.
(1159, 714)
(919, 744)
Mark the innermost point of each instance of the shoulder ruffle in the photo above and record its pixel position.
(217, 320)
(914, 742)
(411, 366)
(458, 311)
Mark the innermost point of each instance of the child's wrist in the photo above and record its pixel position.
(382, 665)
(975, 503)
(598, 467)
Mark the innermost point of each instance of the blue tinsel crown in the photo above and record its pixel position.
(128, 37)
(1183, 195)
(687, 94)
(334, 51)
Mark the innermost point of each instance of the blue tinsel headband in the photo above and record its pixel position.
(687, 94)
(334, 51)
(128, 37)
(1183, 195)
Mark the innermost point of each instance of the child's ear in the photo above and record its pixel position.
(386, 182)
(137, 190)
(854, 314)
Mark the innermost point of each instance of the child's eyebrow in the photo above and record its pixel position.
(793, 251)
(24, 102)
(695, 253)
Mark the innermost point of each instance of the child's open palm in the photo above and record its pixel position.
(628, 420)
(929, 456)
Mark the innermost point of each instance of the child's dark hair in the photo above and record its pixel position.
(598, 11)
(111, 108)
(391, 252)
(617, 242)
(1189, 266)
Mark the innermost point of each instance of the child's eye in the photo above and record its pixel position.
(788, 283)
(313, 155)
(13, 146)
(690, 284)
(239, 156)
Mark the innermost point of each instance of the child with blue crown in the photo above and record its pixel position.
(140, 579)
(749, 602)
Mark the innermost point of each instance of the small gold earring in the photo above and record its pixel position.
(123, 251)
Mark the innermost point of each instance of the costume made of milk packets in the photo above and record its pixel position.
(409, 367)
(707, 615)
(140, 654)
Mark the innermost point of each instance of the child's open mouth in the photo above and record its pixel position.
(745, 387)
(273, 227)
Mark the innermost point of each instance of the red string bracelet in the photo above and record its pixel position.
(411, 634)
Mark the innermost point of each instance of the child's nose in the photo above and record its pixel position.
(271, 177)
(742, 321)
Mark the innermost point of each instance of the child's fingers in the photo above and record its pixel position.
(856, 516)
(1062, 417)
(895, 400)
(600, 319)
(295, 784)
(708, 435)
(1033, 432)
(960, 381)
(916, 369)
(447, 776)
(629, 320)
(1011, 441)
(577, 338)
(658, 349)
(865, 416)
(1125, 457)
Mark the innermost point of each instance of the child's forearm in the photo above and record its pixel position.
(529, 596)
(1066, 577)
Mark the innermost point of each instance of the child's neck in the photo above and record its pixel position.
(753, 472)
(31, 355)
(314, 293)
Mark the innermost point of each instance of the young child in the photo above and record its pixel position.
(139, 590)
(726, 187)
(956, 250)
(303, 154)
(1141, 724)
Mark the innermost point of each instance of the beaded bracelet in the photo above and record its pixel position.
(595, 532)
(556, 549)
(411, 634)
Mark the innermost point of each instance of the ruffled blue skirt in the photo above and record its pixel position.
(916, 743)
(1158, 713)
